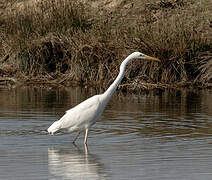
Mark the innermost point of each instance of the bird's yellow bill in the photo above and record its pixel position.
(152, 58)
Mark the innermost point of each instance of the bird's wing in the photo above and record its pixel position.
(83, 114)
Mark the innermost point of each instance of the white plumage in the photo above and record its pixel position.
(84, 115)
(80, 117)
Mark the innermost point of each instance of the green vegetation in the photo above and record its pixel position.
(65, 42)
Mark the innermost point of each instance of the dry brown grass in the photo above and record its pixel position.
(63, 42)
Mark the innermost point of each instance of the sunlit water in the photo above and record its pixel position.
(155, 136)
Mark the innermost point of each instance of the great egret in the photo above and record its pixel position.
(84, 115)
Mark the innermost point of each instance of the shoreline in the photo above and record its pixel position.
(9, 82)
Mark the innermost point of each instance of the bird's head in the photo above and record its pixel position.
(139, 55)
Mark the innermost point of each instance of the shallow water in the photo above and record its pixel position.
(160, 135)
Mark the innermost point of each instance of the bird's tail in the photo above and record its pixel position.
(54, 127)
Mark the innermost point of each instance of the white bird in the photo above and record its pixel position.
(84, 115)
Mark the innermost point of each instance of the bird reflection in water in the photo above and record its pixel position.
(74, 164)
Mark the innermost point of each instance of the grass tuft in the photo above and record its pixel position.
(69, 41)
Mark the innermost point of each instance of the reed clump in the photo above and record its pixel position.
(61, 41)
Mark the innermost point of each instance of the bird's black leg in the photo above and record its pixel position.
(76, 137)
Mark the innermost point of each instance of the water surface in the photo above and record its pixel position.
(159, 135)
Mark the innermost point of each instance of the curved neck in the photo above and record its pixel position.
(109, 92)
